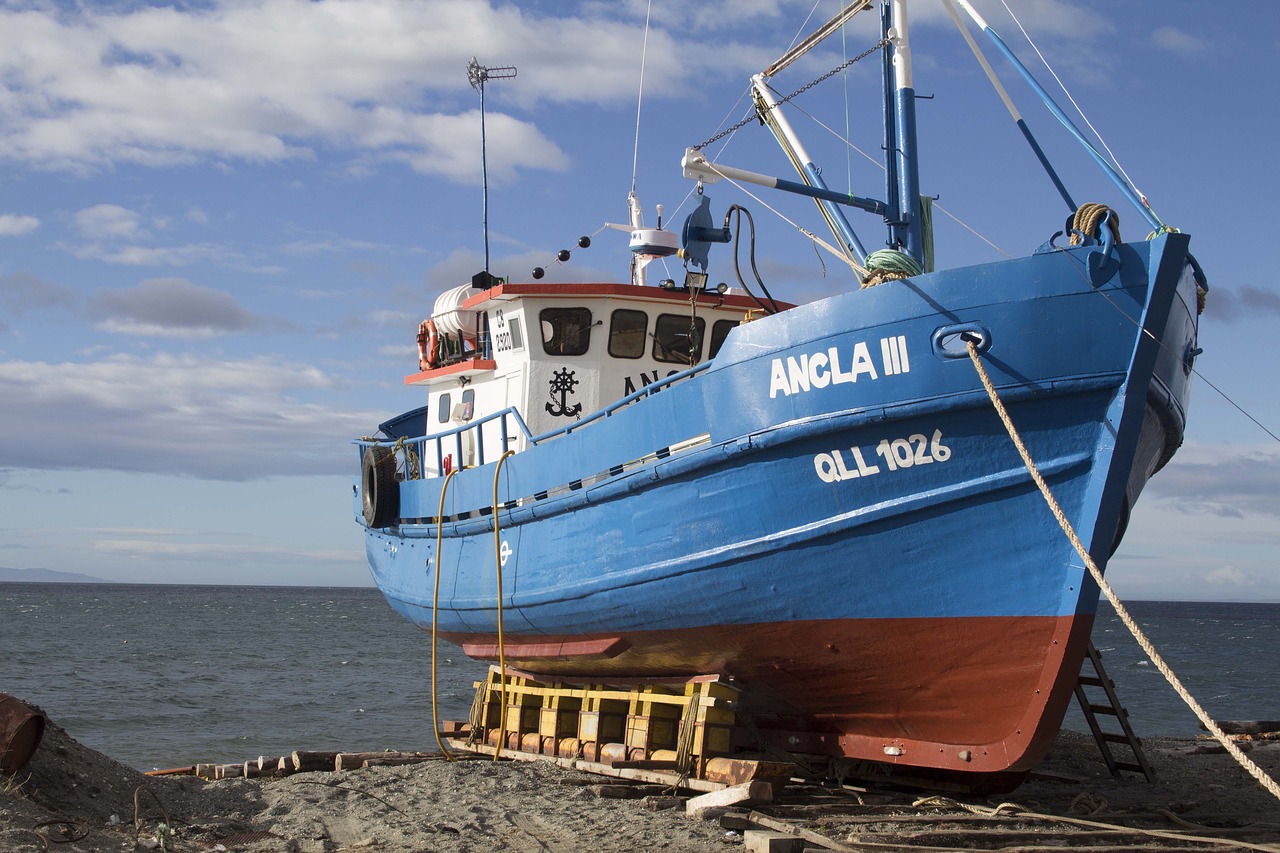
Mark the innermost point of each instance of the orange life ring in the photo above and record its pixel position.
(428, 345)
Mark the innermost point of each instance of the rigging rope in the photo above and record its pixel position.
(1253, 770)
(644, 52)
(502, 649)
(435, 607)
(1115, 162)
(880, 45)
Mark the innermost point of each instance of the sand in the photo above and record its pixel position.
(71, 798)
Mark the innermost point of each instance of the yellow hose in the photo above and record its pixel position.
(502, 652)
(435, 606)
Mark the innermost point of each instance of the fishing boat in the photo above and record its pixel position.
(818, 503)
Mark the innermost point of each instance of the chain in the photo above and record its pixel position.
(880, 45)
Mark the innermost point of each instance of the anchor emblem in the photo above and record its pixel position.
(563, 383)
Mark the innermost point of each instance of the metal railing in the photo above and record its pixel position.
(453, 439)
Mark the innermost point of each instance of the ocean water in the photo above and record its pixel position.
(163, 676)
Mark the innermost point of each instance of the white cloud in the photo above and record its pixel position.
(1230, 576)
(276, 80)
(109, 221)
(1229, 481)
(1175, 40)
(272, 80)
(15, 225)
(155, 256)
(176, 414)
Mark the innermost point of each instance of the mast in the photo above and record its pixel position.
(903, 171)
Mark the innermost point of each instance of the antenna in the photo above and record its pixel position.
(478, 75)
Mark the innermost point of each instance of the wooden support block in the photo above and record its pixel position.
(748, 792)
(662, 802)
(735, 771)
(308, 762)
(356, 760)
(618, 792)
(771, 841)
(252, 770)
(737, 821)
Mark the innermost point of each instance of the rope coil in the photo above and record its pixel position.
(1088, 220)
(889, 265)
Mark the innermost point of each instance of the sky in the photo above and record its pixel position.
(221, 222)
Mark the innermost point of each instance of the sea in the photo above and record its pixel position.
(166, 676)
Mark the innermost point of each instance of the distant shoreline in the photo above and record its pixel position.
(47, 576)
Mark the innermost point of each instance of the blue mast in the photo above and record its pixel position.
(902, 171)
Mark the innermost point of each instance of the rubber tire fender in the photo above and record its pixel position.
(379, 488)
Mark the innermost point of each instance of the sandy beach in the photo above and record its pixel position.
(72, 798)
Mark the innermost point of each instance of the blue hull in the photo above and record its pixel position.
(832, 513)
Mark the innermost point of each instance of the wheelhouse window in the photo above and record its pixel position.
(719, 331)
(677, 338)
(565, 331)
(627, 333)
(444, 407)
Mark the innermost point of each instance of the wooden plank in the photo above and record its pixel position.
(747, 792)
(807, 834)
(354, 760)
(189, 770)
(657, 777)
(1246, 727)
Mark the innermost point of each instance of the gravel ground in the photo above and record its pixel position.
(71, 798)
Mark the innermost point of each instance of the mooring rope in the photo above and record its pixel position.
(502, 649)
(1015, 810)
(435, 608)
(1243, 760)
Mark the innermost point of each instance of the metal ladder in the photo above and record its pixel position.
(1113, 708)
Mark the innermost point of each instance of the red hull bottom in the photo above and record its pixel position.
(977, 695)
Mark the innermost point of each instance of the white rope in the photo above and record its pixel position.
(1243, 760)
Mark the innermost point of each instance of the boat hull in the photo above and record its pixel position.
(833, 515)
